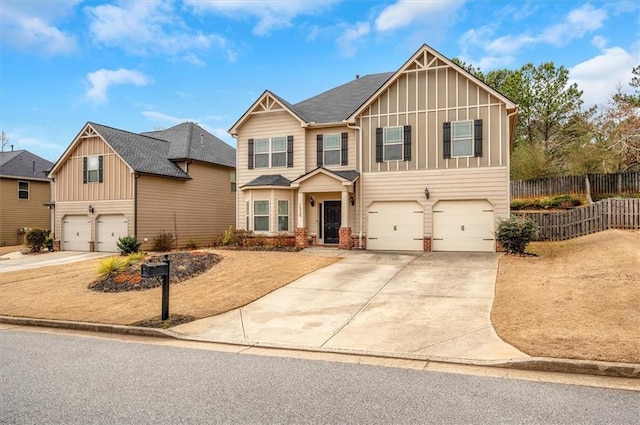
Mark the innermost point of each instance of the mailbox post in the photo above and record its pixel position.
(156, 270)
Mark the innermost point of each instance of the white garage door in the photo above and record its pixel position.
(463, 226)
(76, 233)
(110, 228)
(395, 226)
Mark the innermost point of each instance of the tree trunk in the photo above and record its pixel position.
(587, 187)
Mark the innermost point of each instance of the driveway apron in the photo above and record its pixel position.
(432, 304)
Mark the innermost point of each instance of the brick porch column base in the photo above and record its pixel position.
(427, 244)
(301, 237)
(344, 238)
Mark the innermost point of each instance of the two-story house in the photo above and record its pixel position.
(416, 159)
(111, 183)
(24, 195)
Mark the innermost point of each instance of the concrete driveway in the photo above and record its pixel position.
(432, 304)
(16, 261)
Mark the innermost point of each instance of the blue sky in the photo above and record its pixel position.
(143, 65)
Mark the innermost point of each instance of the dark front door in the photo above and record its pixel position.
(331, 220)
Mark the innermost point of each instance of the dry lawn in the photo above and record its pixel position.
(60, 292)
(579, 299)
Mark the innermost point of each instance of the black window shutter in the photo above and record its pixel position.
(477, 138)
(84, 170)
(446, 140)
(320, 148)
(100, 169)
(289, 151)
(407, 143)
(250, 154)
(345, 149)
(379, 144)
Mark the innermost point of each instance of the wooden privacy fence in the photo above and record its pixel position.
(600, 184)
(610, 213)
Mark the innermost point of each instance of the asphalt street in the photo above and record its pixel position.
(50, 378)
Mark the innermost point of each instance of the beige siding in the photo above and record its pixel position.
(425, 98)
(117, 176)
(311, 160)
(20, 213)
(486, 183)
(197, 210)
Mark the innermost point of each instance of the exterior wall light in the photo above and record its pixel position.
(426, 192)
(90, 209)
(312, 201)
(352, 200)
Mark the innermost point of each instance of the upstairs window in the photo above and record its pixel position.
(232, 178)
(270, 152)
(23, 190)
(279, 152)
(462, 139)
(332, 148)
(393, 143)
(92, 169)
(261, 147)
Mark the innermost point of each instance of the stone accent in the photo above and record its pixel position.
(301, 237)
(427, 244)
(344, 238)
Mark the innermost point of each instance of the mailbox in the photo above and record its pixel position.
(154, 269)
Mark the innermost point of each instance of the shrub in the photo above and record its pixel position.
(192, 245)
(110, 266)
(163, 242)
(36, 239)
(128, 245)
(514, 234)
(136, 257)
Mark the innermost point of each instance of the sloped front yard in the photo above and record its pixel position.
(579, 299)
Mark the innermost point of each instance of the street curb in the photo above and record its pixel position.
(543, 364)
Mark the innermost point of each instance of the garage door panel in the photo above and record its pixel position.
(109, 229)
(76, 233)
(395, 226)
(463, 226)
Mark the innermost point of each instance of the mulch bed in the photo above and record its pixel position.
(183, 266)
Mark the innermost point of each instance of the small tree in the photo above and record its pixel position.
(514, 234)
(128, 245)
(36, 238)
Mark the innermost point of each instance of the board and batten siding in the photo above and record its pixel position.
(458, 184)
(425, 98)
(117, 175)
(20, 213)
(197, 210)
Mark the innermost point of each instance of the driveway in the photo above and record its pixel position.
(432, 304)
(14, 261)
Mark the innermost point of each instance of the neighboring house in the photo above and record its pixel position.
(416, 159)
(24, 195)
(111, 183)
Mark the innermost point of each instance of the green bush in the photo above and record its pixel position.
(136, 257)
(36, 239)
(163, 242)
(110, 266)
(128, 245)
(514, 234)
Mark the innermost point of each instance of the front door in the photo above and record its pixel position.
(331, 219)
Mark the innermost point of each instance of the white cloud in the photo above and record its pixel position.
(271, 14)
(101, 80)
(159, 116)
(599, 76)
(30, 26)
(351, 36)
(579, 22)
(599, 42)
(406, 12)
(151, 27)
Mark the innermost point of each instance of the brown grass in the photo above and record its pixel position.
(579, 299)
(60, 292)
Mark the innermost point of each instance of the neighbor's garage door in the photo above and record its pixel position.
(110, 228)
(76, 233)
(395, 226)
(463, 226)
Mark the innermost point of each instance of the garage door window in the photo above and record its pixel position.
(261, 216)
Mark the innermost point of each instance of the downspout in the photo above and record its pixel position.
(135, 204)
(359, 194)
(511, 142)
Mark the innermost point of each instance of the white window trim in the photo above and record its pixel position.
(233, 181)
(270, 152)
(288, 215)
(338, 148)
(28, 190)
(268, 215)
(90, 159)
(399, 142)
(459, 139)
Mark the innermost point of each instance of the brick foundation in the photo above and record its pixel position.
(427, 244)
(355, 242)
(302, 240)
(344, 238)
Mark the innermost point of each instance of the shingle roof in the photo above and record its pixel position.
(22, 163)
(143, 153)
(269, 180)
(190, 141)
(337, 104)
(350, 175)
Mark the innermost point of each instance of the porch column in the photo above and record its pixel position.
(301, 228)
(344, 233)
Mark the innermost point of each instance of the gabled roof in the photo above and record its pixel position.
(269, 180)
(190, 141)
(24, 164)
(345, 176)
(266, 95)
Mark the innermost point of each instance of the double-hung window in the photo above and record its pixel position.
(461, 139)
(261, 151)
(92, 169)
(23, 190)
(271, 152)
(279, 152)
(232, 179)
(283, 216)
(392, 141)
(261, 216)
(332, 147)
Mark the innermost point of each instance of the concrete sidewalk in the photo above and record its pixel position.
(397, 304)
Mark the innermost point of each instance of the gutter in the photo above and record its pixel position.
(359, 194)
